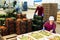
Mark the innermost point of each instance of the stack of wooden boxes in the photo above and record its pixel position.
(9, 23)
(23, 25)
(50, 9)
(58, 17)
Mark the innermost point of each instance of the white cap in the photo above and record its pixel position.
(39, 4)
(51, 18)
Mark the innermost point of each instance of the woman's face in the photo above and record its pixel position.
(51, 21)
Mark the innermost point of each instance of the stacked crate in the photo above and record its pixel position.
(3, 30)
(23, 25)
(58, 17)
(20, 16)
(54, 10)
(29, 25)
(10, 24)
(20, 26)
(50, 9)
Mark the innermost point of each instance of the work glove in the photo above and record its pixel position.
(34, 14)
(42, 14)
(43, 28)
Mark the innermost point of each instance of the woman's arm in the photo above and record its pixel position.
(45, 24)
(36, 10)
(54, 28)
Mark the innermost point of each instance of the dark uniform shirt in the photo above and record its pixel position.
(40, 10)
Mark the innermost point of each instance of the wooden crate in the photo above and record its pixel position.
(3, 30)
(58, 17)
(29, 25)
(19, 16)
(10, 37)
(50, 9)
(10, 24)
(20, 26)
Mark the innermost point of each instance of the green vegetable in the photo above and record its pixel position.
(37, 36)
(55, 38)
(38, 17)
(24, 38)
(2, 18)
(45, 33)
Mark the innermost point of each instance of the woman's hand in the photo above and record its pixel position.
(51, 31)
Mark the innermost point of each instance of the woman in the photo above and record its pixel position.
(14, 3)
(40, 10)
(5, 5)
(18, 8)
(50, 25)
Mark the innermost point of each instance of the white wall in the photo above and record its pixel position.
(51, 1)
(1, 2)
(31, 2)
(43, 1)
